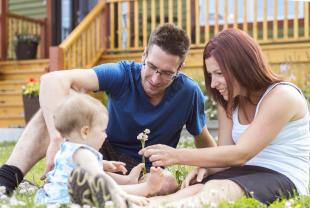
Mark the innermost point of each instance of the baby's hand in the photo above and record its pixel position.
(114, 166)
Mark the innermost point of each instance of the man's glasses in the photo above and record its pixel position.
(164, 75)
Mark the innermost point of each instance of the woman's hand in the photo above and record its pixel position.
(114, 166)
(161, 155)
(197, 175)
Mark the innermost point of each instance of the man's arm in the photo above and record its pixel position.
(54, 88)
(204, 139)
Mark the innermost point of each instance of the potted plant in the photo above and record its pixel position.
(30, 93)
(26, 45)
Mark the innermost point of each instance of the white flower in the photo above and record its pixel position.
(2, 189)
(288, 204)
(140, 136)
(53, 205)
(147, 131)
(22, 191)
(3, 197)
(15, 202)
(144, 137)
(74, 206)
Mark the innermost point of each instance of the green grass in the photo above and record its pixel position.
(34, 174)
(26, 198)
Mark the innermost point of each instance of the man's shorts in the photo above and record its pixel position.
(111, 154)
(260, 183)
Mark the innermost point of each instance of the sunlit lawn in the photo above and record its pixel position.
(25, 198)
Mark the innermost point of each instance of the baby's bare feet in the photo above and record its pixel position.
(155, 180)
(134, 174)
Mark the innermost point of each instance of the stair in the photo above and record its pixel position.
(13, 75)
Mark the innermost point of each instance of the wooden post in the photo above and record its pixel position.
(105, 25)
(56, 59)
(43, 40)
(3, 29)
(48, 26)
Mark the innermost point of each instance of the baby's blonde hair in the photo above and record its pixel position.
(76, 111)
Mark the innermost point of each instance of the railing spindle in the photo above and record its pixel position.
(265, 26)
(254, 19)
(285, 21)
(188, 19)
(245, 16)
(306, 19)
(112, 26)
(170, 11)
(119, 27)
(216, 18)
(207, 29)
(180, 16)
(153, 14)
(197, 23)
(144, 24)
(275, 19)
(295, 19)
(161, 11)
(235, 13)
(136, 23)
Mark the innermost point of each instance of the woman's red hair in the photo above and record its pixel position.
(239, 57)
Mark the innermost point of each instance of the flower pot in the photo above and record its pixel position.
(31, 106)
(26, 50)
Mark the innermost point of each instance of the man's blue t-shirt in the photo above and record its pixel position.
(130, 111)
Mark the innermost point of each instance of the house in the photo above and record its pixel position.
(81, 34)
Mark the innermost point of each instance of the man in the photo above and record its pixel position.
(153, 95)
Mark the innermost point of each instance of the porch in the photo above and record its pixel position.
(119, 29)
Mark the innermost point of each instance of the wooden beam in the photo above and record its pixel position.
(3, 29)
(56, 59)
(48, 27)
(104, 26)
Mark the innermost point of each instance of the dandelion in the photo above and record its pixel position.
(15, 202)
(143, 137)
(2, 189)
(288, 204)
(74, 206)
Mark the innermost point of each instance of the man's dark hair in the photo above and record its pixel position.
(170, 39)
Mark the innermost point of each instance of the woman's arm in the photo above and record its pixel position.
(276, 110)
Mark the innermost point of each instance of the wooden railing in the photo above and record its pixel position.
(18, 24)
(85, 44)
(131, 21)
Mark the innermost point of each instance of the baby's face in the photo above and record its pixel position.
(97, 133)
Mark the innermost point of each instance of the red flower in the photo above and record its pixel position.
(31, 80)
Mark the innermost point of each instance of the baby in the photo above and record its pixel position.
(82, 121)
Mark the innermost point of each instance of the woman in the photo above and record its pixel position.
(264, 139)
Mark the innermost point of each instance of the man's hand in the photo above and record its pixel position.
(197, 175)
(114, 166)
(161, 155)
(52, 149)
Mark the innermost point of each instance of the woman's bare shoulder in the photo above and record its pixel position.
(288, 97)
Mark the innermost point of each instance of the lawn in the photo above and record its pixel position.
(24, 195)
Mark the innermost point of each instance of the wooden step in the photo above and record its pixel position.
(11, 121)
(11, 109)
(25, 64)
(13, 75)
(11, 97)
(11, 84)
(21, 74)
